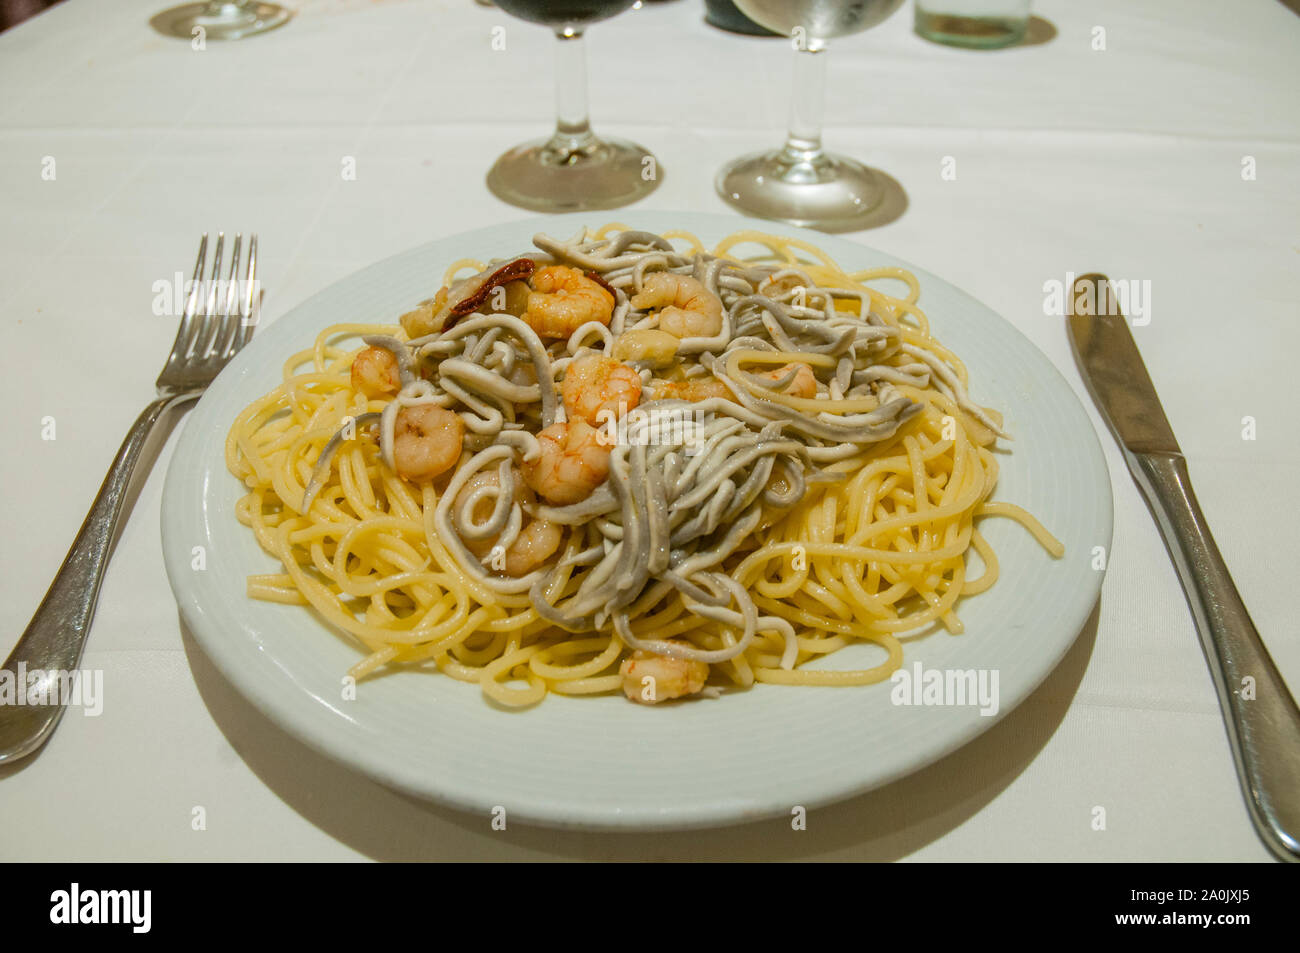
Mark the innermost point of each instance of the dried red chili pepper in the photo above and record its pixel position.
(516, 270)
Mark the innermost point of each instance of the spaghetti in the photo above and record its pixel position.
(627, 461)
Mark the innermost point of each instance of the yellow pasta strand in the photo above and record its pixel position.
(868, 560)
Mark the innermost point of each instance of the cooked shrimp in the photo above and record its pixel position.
(687, 308)
(426, 442)
(595, 387)
(650, 679)
(573, 461)
(648, 345)
(699, 388)
(375, 372)
(564, 299)
(803, 385)
(537, 541)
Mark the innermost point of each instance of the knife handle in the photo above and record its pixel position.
(1264, 730)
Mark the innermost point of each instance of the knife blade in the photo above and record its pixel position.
(1114, 370)
(1261, 717)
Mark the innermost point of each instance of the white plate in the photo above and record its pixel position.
(604, 762)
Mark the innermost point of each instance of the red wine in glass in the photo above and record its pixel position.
(564, 12)
(574, 169)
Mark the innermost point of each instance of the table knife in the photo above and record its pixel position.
(1262, 719)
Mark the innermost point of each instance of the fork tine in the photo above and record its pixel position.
(185, 331)
(210, 323)
(248, 321)
(228, 324)
(218, 321)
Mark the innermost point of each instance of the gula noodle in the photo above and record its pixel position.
(744, 529)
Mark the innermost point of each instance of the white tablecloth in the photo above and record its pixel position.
(1127, 159)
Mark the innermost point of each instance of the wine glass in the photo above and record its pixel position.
(574, 169)
(801, 183)
(220, 19)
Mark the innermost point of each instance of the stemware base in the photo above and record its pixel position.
(545, 176)
(221, 21)
(816, 190)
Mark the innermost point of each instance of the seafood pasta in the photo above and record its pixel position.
(625, 462)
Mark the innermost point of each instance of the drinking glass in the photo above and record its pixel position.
(574, 169)
(724, 15)
(980, 24)
(220, 19)
(800, 182)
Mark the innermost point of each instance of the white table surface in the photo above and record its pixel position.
(1126, 160)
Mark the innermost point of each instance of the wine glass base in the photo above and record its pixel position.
(828, 192)
(231, 22)
(605, 173)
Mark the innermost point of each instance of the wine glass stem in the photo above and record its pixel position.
(804, 143)
(572, 127)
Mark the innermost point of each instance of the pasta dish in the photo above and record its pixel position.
(624, 461)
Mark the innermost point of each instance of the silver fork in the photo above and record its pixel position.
(43, 663)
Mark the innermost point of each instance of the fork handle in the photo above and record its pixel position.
(1262, 719)
(53, 640)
